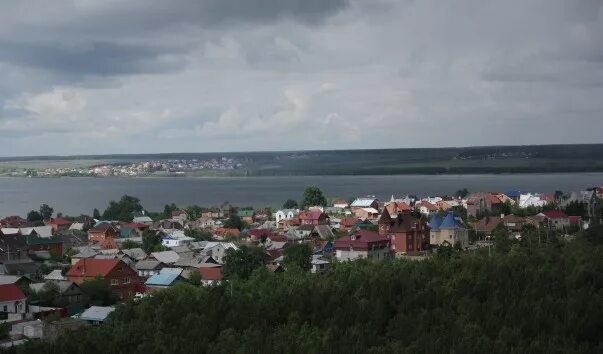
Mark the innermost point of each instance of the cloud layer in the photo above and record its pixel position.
(83, 77)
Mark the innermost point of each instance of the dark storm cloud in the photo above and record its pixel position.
(96, 58)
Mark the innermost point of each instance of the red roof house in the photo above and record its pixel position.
(59, 224)
(12, 299)
(314, 217)
(122, 279)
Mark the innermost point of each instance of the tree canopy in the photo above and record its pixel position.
(298, 255)
(46, 211)
(96, 292)
(290, 204)
(313, 197)
(241, 263)
(234, 222)
(545, 298)
(123, 210)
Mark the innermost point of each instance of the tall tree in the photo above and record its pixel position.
(124, 209)
(290, 204)
(34, 216)
(241, 263)
(151, 241)
(313, 197)
(97, 293)
(298, 255)
(234, 222)
(461, 193)
(46, 211)
(96, 214)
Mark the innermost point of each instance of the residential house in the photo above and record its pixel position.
(512, 223)
(531, 200)
(323, 232)
(53, 245)
(40, 231)
(394, 207)
(426, 208)
(96, 315)
(12, 222)
(226, 210)
(55, 275)
(69, 291)
(83, 253)
(366, 213)
(149, 267)
(319, 264)
(362, 244)
(481, 203)
(347, 223)
(247, 215)
(102, 231)
(556, 219)
(176, 239)
(448, 230)
(214, 213)
(211, 275)
(285, 214)
(217, 250)
(167, 257)
(368, 202)
(313, 218)
(59, 224)
(300, 233)
(340, 203)
(180, 216)
(122, 279)
(408, 234)
(12, 299)
(136, 254)
(143, 219)
(21, 267)
(599, 192)
(163, 280)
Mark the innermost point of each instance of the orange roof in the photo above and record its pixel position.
(92, 267)
(211, 273)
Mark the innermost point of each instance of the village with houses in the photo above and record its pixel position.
(59, 273)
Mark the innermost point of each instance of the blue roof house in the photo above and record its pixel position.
(448, 230)
(163, 280)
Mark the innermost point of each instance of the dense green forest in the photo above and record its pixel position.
(535, 296)
(453, 160)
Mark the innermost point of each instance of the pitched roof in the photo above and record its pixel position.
(55, 275)
(92, 267)
(9, 279)
(362, 239)
(135, 253)
(166, 256)
(363, 202)
(60, 222)
(324, 231)
(10, 292)
(450, 221)
(97, 313)
(555, 214)
(163, 279)
(211, 273)
(148, 264)
(310, 215)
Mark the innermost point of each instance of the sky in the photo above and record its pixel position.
(152, 76)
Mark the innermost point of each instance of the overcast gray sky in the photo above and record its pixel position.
(113, 76)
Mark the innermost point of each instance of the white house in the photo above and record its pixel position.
(530, 200)
(12, 299)
(368, 202)
(217, 250)
(143, 220)
(285, 214)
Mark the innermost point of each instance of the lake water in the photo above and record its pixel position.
(73, 196)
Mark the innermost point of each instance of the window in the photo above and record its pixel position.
(126, 281)
(114, 282)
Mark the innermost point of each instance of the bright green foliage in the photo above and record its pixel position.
(539, 299)
(241, 263)
(298, 255)
(124, 209)
(313, 197)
